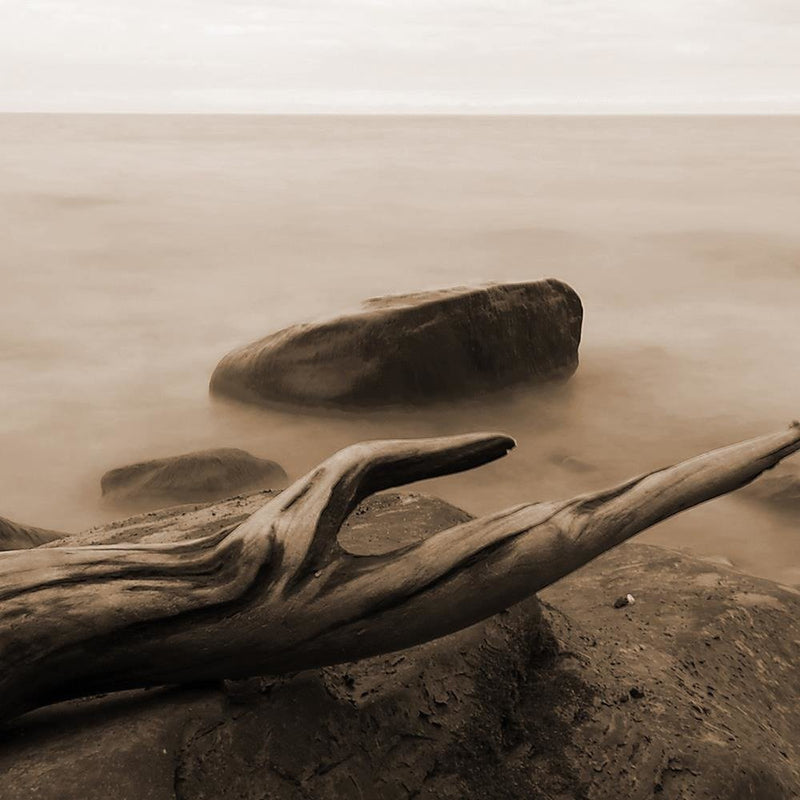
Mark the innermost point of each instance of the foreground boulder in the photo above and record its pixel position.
(191, 478)
(14, 536)
(691, 692)
(414, 349)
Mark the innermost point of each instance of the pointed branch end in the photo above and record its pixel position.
(498, 443)
(399, 462)
(458, 453)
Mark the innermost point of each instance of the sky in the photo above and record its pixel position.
(363, 56)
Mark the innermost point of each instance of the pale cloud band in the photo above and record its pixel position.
(733, 56)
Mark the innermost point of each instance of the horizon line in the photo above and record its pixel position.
(402, 113)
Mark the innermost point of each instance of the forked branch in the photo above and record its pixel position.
(277, 593)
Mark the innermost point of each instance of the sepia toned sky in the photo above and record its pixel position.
(730, 56)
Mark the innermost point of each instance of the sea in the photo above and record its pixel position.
(137, 250)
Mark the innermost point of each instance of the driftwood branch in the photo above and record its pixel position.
(277, 593)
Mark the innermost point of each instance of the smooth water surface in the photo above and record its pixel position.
(136, 251)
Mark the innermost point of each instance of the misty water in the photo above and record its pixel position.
(136, 251)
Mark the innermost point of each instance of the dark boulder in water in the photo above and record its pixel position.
(414, 349)
(191, 478)
(14, 536)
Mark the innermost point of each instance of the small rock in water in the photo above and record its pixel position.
(779, 489)
(625, 600)
(15, 536)
(571, 463)
(197, 477)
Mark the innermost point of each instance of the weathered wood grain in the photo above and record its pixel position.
(278, 593)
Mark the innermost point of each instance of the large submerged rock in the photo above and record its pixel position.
(191, 478)
(14, 536)
(414, 349)
(691, 692)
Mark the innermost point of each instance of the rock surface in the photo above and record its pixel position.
(191, 478)
(14, 536)
(689, 693)
(414, 349)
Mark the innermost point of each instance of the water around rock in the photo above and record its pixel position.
(779, 489)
